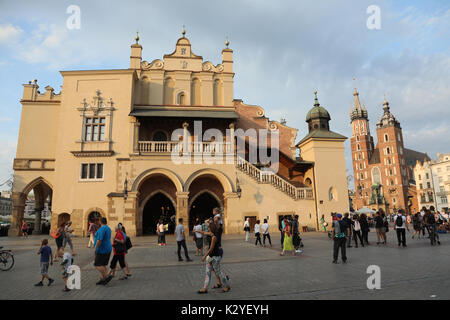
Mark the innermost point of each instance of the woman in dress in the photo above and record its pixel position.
(287, 243)
(416, 225)
(323, 224)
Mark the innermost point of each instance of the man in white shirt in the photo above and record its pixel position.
(400, 227)
(265, 232)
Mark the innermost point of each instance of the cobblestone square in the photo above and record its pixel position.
(419, 271)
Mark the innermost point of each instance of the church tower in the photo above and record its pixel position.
(362, 149)
(392, 159)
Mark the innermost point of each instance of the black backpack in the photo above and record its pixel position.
(399, 221)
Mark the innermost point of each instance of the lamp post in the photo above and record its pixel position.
(238, 188)
(125, 188)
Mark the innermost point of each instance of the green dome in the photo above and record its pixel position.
(317, 112)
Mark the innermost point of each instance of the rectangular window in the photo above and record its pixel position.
(428, 185)
(84, 171)
(94, 128)
(91, 171)
(443, 200)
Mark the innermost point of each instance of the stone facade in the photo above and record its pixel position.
(107, 142)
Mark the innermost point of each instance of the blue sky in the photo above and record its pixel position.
(283, 51)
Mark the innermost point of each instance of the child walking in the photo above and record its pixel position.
(46, 258)
(65, 264)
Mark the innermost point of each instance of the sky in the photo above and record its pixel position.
(283, 51)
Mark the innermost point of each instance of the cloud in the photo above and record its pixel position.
(9, 33)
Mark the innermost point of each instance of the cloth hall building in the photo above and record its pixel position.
(105, 145)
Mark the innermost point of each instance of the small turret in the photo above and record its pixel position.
(136, 54)
(227, 58)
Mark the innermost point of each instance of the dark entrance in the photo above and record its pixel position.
(202, 208)
(91, 218)
(158, 207)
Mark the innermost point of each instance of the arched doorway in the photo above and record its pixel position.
(92, 216)
(158, 206)
(63, 217)
(202, 207)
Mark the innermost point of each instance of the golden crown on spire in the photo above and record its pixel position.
(183, 31)
(227, 43)
(137, 36)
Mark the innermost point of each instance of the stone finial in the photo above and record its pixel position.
(227, 43)
(183, 32)
(137, 37)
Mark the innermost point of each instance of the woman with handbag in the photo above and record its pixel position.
(119, 249)
(59, 236)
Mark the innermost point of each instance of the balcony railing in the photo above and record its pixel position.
(155, 147)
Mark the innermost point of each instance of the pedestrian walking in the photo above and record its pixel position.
(59, 236)
(181, 240)
(349, 223)
(213, 260)
(103, 248)
(258, 233)
(357, 231)
(385, 227)
(92, 230)
(339, 235)
(296, 240)
(46, 259)
(198, 237)
(379, 227)
(128, 246)
(400, 227)
(119, 249)
(265, 232)
(161, 233)
(206, 237)
(247, 228)
(323, 224)
(364, 228)
(24, 229)
(68, 236)
(287, 238)
(416, 225)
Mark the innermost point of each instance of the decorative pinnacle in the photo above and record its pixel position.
(183, 31)
(227, 43)
(137, 36)
(316, 101)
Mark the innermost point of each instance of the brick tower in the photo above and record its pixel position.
(392, 161)
(362, 147)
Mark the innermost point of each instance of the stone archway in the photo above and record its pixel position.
(42, 192)
(155, 191)
(206, 192)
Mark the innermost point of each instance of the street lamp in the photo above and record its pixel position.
(125, 188)
(238, 188)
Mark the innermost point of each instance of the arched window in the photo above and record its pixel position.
(388, 151)
(332, 194)
(376, 175)
(358, 147)
(169, 87)
(357, 138)
(218, 93)
(386, 138)
(195, 92)
(181, 98)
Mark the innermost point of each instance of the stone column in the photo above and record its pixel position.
(37, 220)
(182, 209)
(18, 208)
(131, 220)
(185, 137)
(135, 134)
(226, 221)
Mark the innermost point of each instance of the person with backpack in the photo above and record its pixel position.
(400, 227)
(432, 226)
(339, 236)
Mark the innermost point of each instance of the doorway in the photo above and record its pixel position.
(202, 208)
(158, 207)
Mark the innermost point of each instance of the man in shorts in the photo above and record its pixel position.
(103, 248)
